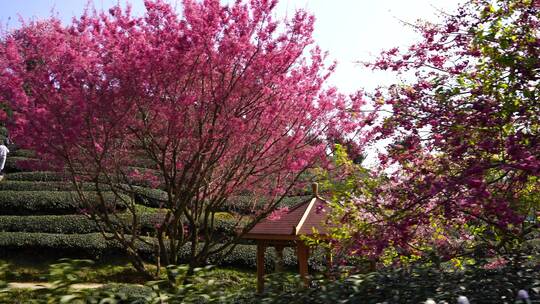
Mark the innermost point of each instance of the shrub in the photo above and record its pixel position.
(81, 245)
(245, 256)
(68, 224)
(149, 197)
(245, 205)
(48, 202)
(206, 286)
(93, 244)
(41, 176)
(145, 163)
(15, 185)
(22, 153)
(418, 283)
(16, 163)
(145, 196)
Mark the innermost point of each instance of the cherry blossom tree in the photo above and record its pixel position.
(219, 101)
(465, 152)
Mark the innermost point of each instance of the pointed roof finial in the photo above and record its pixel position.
(315, 189)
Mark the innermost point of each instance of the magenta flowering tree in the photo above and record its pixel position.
(465, 152)
(220, 101)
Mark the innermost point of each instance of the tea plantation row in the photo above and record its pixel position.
(40, 212)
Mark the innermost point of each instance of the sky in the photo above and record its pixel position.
(351, 31)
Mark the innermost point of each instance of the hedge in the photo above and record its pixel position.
(36, 176)
(146, 196)
(47, 202)
(17, 164)
(149, 197)
(224, 229)
(22, 153)
(69, 224)
(93, 244)
(81, 245)
(417, 283)
(15, 185)
(141, 162)
(156, 198)
(244, 204)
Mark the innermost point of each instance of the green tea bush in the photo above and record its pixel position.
(140, 162)
(70, 224)
(16, 163)
(80, 224)
(245, 204)
(93, 244)
(36, 176)
(49, 202)
(202, 288)
(157, 198)
(22, 153)
(79, 245)
(16, 185)
(154, 198)
(417, 284)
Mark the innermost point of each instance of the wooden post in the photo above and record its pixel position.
(303, 255)
(261, 248)
(315, 189)
(279, 259)
(329, 263)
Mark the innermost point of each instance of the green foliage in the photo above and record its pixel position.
(22, 153)
(244, 204)
(37, 176)
(81, 245)
(16, 185)
(70, 224)
(416, 285)
(205, 286)
(247, 204)
(50, 202)
(81, 224)
(154, 198)
(13, 163)
(94, 244)
(392, 285)
(146, 196)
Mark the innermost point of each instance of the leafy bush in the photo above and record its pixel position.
(203, 287)
(93, 244)
(16, 163)
(69, 224)
(246, 256)
(145, 196)
(245, 204)
(49, 202)
(416, 285)
(154, 198)
(141, 162)
(22, 153)
(80, 224)
(37, 176)
(16, 185)
(397, 285)
(80, 245)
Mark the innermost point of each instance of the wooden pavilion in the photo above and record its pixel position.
(286, 231)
